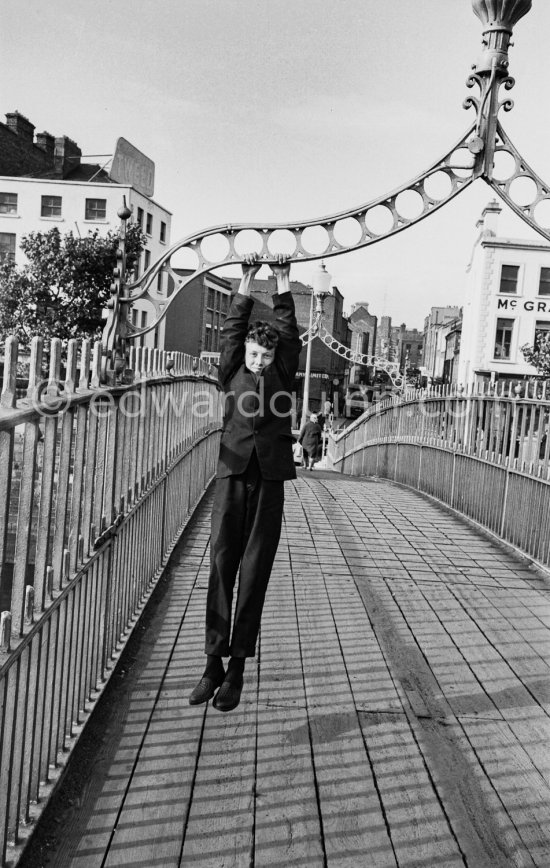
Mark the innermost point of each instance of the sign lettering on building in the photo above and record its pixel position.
(131, 167)
(527, 304)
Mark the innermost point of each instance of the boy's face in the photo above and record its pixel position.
(256, 357)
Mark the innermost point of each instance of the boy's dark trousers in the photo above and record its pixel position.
(246, 526)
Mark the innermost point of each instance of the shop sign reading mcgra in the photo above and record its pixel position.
(527, 304)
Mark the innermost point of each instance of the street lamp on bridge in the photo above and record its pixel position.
(320, 282)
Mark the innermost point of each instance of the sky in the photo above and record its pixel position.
(284, 110)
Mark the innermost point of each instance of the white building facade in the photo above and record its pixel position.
(58, 189)
(36, 205)
(507, 303)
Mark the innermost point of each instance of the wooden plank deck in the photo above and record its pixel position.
(397, 713)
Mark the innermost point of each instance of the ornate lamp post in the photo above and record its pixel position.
(320, 289)
(117, 329)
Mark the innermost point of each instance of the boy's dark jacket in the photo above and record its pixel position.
(249, 421)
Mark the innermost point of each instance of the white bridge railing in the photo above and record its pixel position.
(96, 485)
(485, 454)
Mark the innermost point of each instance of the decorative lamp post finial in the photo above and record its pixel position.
(499, 18)
(490, 72)
(124, 212)
(501, 14)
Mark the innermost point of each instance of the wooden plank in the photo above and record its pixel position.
(221, 818)
(352, 815)
(484, 830)
(287, 822)
(524, 792)
(419, 829)
(150, 826)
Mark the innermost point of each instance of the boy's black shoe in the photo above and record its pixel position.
(205, 689)
(229, 695)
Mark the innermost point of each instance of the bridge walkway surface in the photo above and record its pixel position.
(396, 714)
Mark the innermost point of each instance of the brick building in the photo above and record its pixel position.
(385, 345)
(363, 328)
(197, 314)
(409, 347)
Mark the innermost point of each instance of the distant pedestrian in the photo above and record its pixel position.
(311, 438)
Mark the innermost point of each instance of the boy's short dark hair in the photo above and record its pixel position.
(263, 333)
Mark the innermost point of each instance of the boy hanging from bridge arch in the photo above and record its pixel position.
(258, 364)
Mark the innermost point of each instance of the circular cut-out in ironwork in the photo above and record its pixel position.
(248, 241)
(461, 162)
(185, 257)
(281, 241)
(438, 186)
(315, 239)
(409, 204)
(523, 190)
(214, 248)
(379, 220)
(348, 231)
(504, 165)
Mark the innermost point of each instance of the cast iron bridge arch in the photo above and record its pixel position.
(471, 157)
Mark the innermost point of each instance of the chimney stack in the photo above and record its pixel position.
(46, 142)
(67, 156)
(21, 126)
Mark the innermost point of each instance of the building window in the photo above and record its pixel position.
(7, 245)
(544, 281)
(51, 206)
(163, 232)
(96, 209)
(140, 218)
(509, 278)
(8, 203)
(149, 227)
(147, 259)
(503, 338)
(542, 330)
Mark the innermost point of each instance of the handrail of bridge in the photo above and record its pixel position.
(96, 484)
(484, 451)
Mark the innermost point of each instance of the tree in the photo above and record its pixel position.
(63, 288)
(539, 354)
